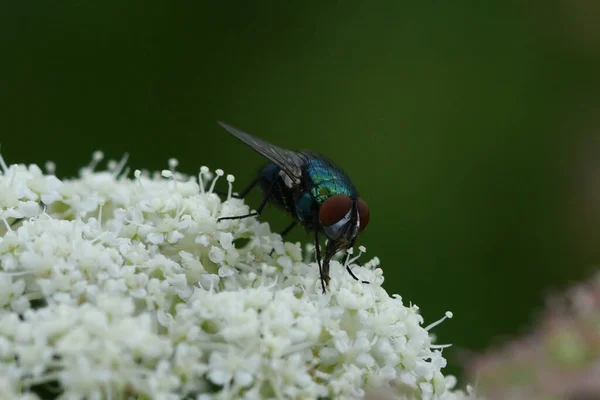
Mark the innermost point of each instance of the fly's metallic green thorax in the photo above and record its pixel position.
(326, 180)
(315, 192)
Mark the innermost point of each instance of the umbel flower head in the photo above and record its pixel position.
(115, 287)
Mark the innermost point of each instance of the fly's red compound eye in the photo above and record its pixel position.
(334, 209)
(363, 212)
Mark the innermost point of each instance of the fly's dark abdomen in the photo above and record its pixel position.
(281, 195)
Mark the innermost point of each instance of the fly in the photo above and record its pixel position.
(317, 195)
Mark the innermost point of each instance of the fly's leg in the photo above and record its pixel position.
(348, 267)
(241, 195)
(288, 229)
(260, 207)
(354, 276)
(322, 273)
(285, 232)
(248, 188)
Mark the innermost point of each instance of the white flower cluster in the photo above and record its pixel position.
(112, 287)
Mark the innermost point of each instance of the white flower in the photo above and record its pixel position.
(233, 367)
(113, 287)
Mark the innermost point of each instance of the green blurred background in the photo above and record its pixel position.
(469, 127)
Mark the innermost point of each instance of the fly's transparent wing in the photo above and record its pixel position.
(289, 161)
